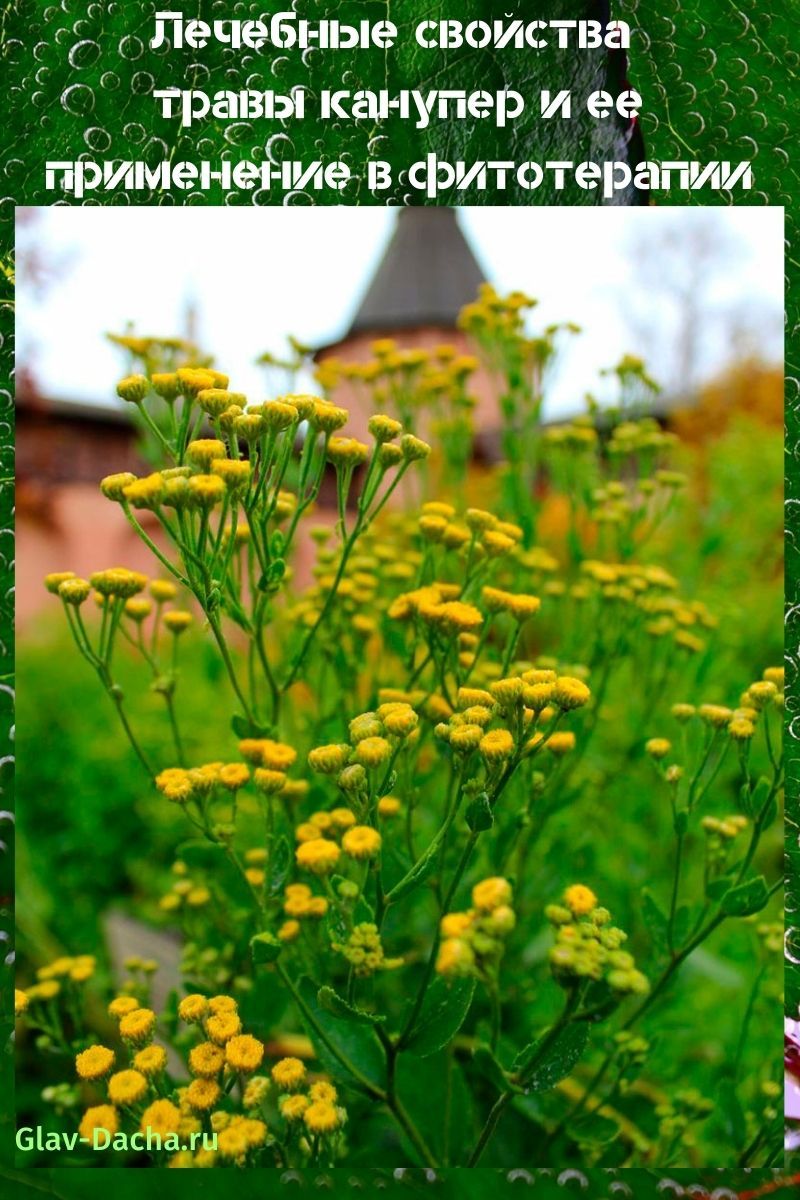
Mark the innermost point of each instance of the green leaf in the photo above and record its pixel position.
(478, 815)
(752, 801)
(716, 888)
(654, 918)
(338, 1007)
(486, 1063)
(556, 1061)
(746, 899)
(594, 1130)
(265, 948)
(249, 729)
(349, 1051)
(442, 1015)
(280, 861)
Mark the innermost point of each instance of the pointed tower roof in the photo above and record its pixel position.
(427, 274)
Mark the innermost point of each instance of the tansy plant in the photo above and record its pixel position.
(389, 951)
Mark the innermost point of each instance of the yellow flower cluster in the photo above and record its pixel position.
(473, 941)
(588, 948)
(364, 951)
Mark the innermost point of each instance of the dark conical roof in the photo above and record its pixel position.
(427, 274)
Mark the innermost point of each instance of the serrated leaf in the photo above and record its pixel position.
(552, 1061)
(442, 1015)
(349, 1051)
(338, 1007)
(746, 899)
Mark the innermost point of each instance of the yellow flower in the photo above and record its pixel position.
(497, 745)
(126, 1087)
(342, 818)
(202, 1094)
(489, 894)
(361, 842)
(222, 1003)
(383, 428)
(162, 590)
(346, 451)
(323, 1090)
(327, 417)
(268, 781)
(233, 776)
(455, 957)
(277, 756)
(413, 449)
(215, 401)
(76, 591)
(580, 900)
(453, 925)
(206, 1060)
(658, 747)
(177, 621)
(150, 1061)
(166, 384)
(289, 1074)
(138, 609)
(321, 1117)
(120, 1006)
(464, 738)
(204, 451)
(94, 1063)
(205, 491)
(133, 388)
(389, 806)
(101, 1116)
(715, 715)
(507, 692)
(293, 1107)
(399, 719)
(740, 729)
(234, 473)
(223, 1026)
(138, 1025)
(319, 856)
(537, 696)
(145, 493)
(113, 486)
(20, 1002)
(193, 1008)
(372, 751)
(244, 1053)
(232, 1143)
(497, 544)
(328, 760)
(161, 1118)
(53, 581)
(569, 693)
(255, 1092)
(118, 582)
(560, 742)
(289, 931)
(255, 1131)
(467, 697)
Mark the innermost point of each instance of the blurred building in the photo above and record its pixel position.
(427, 273)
